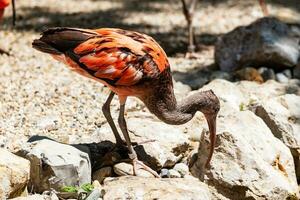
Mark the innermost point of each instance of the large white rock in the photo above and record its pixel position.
(248, 160)
(227, 92)
(154, 188)
(54, 165)
(282, 116)
(14, 174)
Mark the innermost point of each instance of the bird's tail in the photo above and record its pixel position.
(59, 40)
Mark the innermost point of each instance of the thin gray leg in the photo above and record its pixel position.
(107, 115)
(132, 153)
(188, 11)
(123, 127)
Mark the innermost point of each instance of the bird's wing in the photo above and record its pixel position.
(116, 56)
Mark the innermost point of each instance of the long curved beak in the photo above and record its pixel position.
(211, 121)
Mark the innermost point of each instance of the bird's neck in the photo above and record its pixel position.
(164, 105)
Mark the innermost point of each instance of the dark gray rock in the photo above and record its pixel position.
(267, 41)
(296, 71)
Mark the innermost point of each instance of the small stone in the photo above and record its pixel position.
(182, 168)
(249, 74)
(287, 73)
(94, 195)
(267, 73)
(102, 173)
(165, 173)
(220, 75)
(280, 77)
(174, 173)
(123, 169)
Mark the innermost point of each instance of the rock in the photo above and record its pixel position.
(221, 75)
(164, 173)
(267, 73)
(34, 197)
(94, 195)
(282, 114)
(248, 162)
(287, 73)
(182, 168)
(14, 174)
(296, 71)
(266, 41)
(249, 74)
(194, 78)
(54, 165)
(125, 169)
(282, 78)
(227, 92)
(174, 173)
(102, 173)
(166, 142)
(151, 188)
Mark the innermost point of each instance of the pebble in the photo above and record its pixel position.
(267, 73)
(287, 73)
(125, 169)
(182, 168)
(280, 77)
(174, 173)
(165, 173)
(94, 195)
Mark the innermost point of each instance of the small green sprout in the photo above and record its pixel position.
(87, 187)
(69, 189)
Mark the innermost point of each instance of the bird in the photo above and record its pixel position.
(188, 9)
(129, 63)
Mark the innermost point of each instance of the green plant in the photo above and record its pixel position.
(87, 187)
(69, 189)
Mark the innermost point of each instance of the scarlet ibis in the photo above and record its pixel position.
(129, 64)
(188, 8)
(3, 5)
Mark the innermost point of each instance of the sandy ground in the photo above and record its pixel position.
(37, 91)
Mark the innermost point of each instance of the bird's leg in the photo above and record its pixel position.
(107, 115)
(14, 12)
(132, 154)
(189, 15)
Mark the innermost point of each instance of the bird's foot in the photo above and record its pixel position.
(140, 165)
